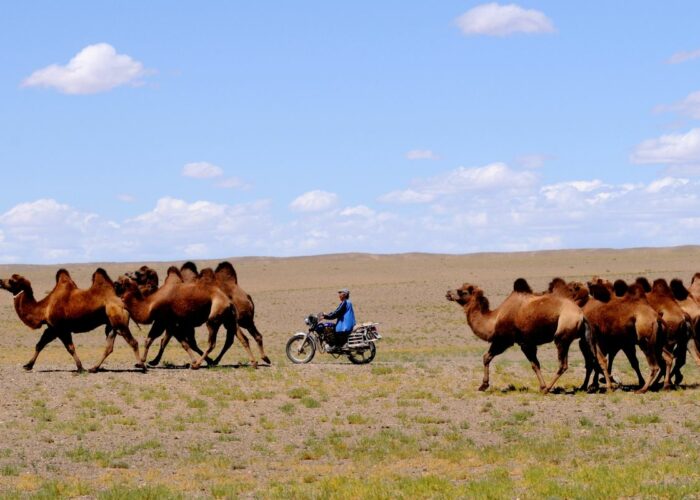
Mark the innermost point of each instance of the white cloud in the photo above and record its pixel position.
(421, 154)
(462, 180)
(680, 57)
(359, 211)
(673, 149)
(314, 201)
(202, 170)
(494, 19)
(231, 183)
(126, 198)
(96, 68)
(690, 106)
(665, 183)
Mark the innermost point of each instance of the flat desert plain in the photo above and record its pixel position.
(410, 424)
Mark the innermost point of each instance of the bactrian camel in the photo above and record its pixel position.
(525, 319)
(68, 309)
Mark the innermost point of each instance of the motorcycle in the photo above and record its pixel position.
(360, 347)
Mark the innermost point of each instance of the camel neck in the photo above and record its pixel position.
(32, 313)
(139, 307)
(480, 320)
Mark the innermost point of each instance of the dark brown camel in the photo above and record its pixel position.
(677, 323)
(68, 309)
(178, 305)
(226, 278)
(524, 319)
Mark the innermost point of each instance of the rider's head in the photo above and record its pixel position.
(343, 293)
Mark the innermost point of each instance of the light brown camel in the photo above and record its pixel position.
(677, 323)
(178, 305)
(622, 320)
(226, 278)
(524, 319)
(692, 308)
(68, 309)
(694, 287)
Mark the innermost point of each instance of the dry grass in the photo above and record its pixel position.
(409, 425)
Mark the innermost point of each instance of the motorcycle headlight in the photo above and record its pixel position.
(306, 320)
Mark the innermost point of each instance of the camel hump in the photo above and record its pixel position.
(661, 287)
(599, 291)
(189, 271)
(556, 283)
(637, 291)
(521, 286)
(680, 292)
(173, 275)
(63, 276)
(696, 276)
(644, 283)
(100, 276)
(226, 271)
(620, 287)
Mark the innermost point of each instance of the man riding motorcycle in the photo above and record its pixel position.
(345, 315)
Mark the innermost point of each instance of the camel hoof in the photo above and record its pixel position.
(153, 362)
(266, 360)
(80, 369)
(28, 366)
(640, 391)
(140, 366)
(211, 362)
(544, 390)
(483, 387)
(254, 364)
(94, 369)
(667, 387)
(194, 366)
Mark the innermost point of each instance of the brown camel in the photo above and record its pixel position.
(177, 305)
(620, 321)
(68, 309)
(692, 308)
(677, 323)
(226, 278)
(594, 308)
(694, 288)
(524, 319)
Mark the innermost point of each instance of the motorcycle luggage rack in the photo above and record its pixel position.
(357, 339)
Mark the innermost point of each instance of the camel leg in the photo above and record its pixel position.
(163, 343)
(653, 365)
(67, 339)
(590, 363)
(631, 353)
(250, 326)
(563, 355)
(494, 350)
(192, 342)
(126, 333)
(186, 346)
(680, 355)
(603, 362)
(213, 327)
(109, 347)
(156, 331)
(530, 352)
(49, 335)
(668, 360)
(228, 342)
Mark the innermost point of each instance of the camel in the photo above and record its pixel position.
(692, 308)
(226, 278)
(622, 319)
(68, 309)
(524, 319)
(677, 322)
(179, 306)
(694, 288)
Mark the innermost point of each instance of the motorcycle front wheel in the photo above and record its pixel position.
(300, 350)
(364, 356)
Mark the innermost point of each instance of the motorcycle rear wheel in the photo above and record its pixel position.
(364, 356)
(298, 353)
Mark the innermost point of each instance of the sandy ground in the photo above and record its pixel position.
(284, 430)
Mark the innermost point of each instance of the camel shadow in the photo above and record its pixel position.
(186, 366)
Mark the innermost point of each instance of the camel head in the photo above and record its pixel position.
(146, 278)
(465, 294)
(696, 276)
(124, 285)
(16, 284)
(207, 274)
(660, 287)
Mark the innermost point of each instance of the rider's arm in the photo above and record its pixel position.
(338, 312)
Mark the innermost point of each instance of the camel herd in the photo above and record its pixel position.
(186, 299)
(661, 318)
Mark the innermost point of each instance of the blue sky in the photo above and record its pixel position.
(161, 130)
